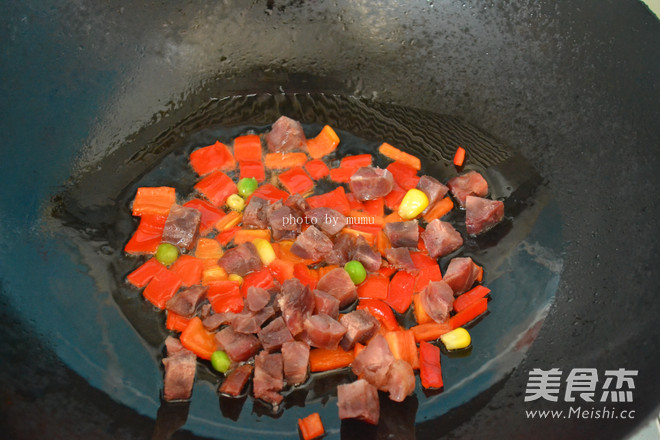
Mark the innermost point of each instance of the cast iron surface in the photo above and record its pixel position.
(574, 87)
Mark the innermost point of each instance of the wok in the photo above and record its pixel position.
(94, 95)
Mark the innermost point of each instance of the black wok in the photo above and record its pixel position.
(572, 87)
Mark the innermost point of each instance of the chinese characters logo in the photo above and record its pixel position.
(581, 383)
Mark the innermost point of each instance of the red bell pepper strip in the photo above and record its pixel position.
(402, 345)
(322, 359)
(252, 168)
(282, 270)
(306, 276)
(153, 201)
(428, 268)
(356, 161)
(227, 235)
(141, 276)
(317, 169)
(270, 192)
(375, 207)
(393, 199)
(214, 157)
(429, 365)
(147, 236)
(176, 322)
(469, 313)
(189, 269)
(225, 296)
(470, 297)
(161, 288)
(459, 156)
(387, 271)
(262, 278)
(247, 147)
(354, 203)
(217, 186)
(210, 214)
(400, 291)
(311, 426)
(323, 144)
(342, 175)
(404, 175)
(375, 286)
(296, 181)
(197, 339)
(335, 199)
(381, 311)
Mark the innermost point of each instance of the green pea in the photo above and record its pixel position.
(356, 271)
(247, 186)
(220, 361)
(167, 253)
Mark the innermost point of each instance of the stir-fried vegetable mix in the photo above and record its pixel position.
(268, 278)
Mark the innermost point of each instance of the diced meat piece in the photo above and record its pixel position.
(341, 250)
(323, 332)
(370, 259)
(373, 362)
(286, 135)
(437, 299)
(358, 400)
(257, 298)
(402, 234)
(324, 303)
(181, 227)
(482, 214)
(268, 377)
(433, 189)
(241, 260)
(236, 379)
(283, 222)
(295, 356)
(400, 258)
(298, 204)
(468, 184)
(185, 301)
(214, 321)
(360, 327)
(254, 214)
(296, 303)
(326, 219)
(312, 244)
(400, 380)
(238, 346)
(205, 311)
(440, 238)
(274, 335)
(369, 183)
(338, 283)
(461, 274)
(180, 365)
(250, 322)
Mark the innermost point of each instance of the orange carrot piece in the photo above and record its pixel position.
(280, 161)
(321, 359)
(420, 314)
(371, 238)
(229, 221)
(189, 269)
(430, 331)
(392, 218)
(356, 161)
(213, 273)
(153, 200)
(439, 208)
(325, 269)
(342, 175)
(176, 322)
(243, 235)
(311, 427)
(323, 144)
(402, 345)
(208, 249)
(382, 242)
(459, 157)
(395, 154)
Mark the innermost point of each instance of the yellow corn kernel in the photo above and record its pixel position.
(456, 339)
(235, 278)
(413, 203)
(265, 250)
(236, 203)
